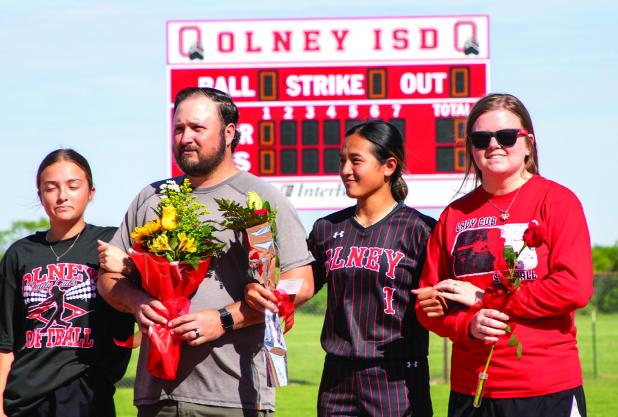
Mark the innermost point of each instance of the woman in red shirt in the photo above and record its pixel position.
(556, 277)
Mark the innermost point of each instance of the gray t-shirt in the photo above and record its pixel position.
(230, 371)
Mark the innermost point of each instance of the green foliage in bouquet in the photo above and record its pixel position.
(239, 218)
(177, 233)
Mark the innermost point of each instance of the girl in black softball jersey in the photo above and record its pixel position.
(371, 256)
(57, 357)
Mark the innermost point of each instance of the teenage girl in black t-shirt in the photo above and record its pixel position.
(57, 356)
(370, 257)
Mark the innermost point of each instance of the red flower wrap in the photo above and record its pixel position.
(171, 283)
(285, 304)
(534, 236)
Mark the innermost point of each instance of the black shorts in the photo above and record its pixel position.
(84, 396)
(375, 388)
(569, 403)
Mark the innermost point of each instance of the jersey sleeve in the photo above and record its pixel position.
(454, 324)
(422, 236)
(9, 300)
(568, 285)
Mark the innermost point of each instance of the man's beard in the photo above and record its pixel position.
(205, 165)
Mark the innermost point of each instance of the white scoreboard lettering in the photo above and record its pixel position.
(301, 83)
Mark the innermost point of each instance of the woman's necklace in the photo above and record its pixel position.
(505, 213)
(51, 247)
(371, 222)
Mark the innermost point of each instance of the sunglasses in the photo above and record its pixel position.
(505, 137)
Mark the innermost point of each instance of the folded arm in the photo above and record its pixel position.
(568, 285)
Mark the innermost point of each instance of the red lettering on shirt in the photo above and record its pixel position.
(373, 259)
(388, 300)
(355, 257)
(393, 258)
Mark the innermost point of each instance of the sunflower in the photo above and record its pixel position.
(149, 229)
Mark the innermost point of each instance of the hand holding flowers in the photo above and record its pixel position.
(497, 297)
(489, 323)
(256, 221)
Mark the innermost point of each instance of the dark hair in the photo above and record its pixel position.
(493, 102)
(387, 143)
(65, 154)
(228, 112)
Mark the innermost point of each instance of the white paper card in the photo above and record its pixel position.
(290, 286)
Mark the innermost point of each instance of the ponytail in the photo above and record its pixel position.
(399, 188)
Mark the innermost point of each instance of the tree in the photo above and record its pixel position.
(605, 263)
(19, 229)
(605, 258)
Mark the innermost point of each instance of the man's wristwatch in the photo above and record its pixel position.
(227, 321)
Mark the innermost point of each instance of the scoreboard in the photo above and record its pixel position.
(300, 84)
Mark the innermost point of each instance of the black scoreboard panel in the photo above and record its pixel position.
(288, 133)
(311, 147)
(309, 132)
(288, 162)
(450, 144)
(332, 132)
(317, 151)
(305, 140)
(331, 161)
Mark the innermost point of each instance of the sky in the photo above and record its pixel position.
(91, 76)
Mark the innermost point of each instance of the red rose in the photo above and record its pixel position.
(495, 297)
(534, 236)
(506, 282)
(260, 212)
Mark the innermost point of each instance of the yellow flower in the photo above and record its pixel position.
(254, 202)
(186, 243)
(153, 226)
(168, 220)
(160, 245)
(148, 229)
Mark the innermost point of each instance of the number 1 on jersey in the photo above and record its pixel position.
(388, 300)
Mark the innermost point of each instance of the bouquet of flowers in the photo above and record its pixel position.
(172, 254)
(498, 295)
(257, 221)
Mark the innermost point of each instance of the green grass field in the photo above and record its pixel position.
(306, 358)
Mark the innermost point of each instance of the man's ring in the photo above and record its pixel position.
(197, 333)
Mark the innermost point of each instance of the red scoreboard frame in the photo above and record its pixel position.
(296, 104)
